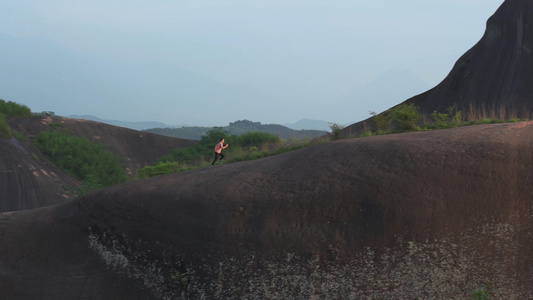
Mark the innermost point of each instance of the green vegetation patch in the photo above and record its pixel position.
(5, 131)
(160, 168)
(9, 109)
(403, 117)
(250, 145)
(407, 117)
(83, 159)
(485, 292)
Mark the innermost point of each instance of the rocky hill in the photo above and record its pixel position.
(493, 78)
(416, 215)
(28, 180)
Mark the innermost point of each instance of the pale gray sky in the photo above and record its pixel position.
(210, 62)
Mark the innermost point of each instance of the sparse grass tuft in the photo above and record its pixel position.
(5, 131)
(485, 292)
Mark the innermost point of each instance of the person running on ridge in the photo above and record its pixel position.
(218, 151)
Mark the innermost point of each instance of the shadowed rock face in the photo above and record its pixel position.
(494, 78)
(496, 72)
(28, 180)
(416, 215)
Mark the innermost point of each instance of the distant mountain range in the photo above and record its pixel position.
(238, 128)
(304, 124)
(309, 124)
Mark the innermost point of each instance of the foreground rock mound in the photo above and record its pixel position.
(415, 215)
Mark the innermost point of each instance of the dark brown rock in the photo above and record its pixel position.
(416, 215)
(28, 181)
(496, 72)
(493, 79)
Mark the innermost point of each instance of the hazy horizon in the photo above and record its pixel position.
(211, 63)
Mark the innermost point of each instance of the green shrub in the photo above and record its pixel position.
(439, 118)
(255, 139)
(336, 130)
(11, 109)
(161, 168)
(54, 125)
(453, 118)
(406, 116)
(382, 121)
(190, 156)
(83, 159)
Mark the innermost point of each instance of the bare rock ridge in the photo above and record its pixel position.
(495, 75)
(415, 215)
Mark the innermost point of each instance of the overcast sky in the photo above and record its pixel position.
(211, 62)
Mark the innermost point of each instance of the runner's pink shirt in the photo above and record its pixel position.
(218, 147)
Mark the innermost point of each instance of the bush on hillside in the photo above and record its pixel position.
(213, 136)
(406, 116)
(83, 159)
(382, 122)
(256, 138)
(452, 119)
(11, 109)
(161, 168)
(403, 117)
(336, 130)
